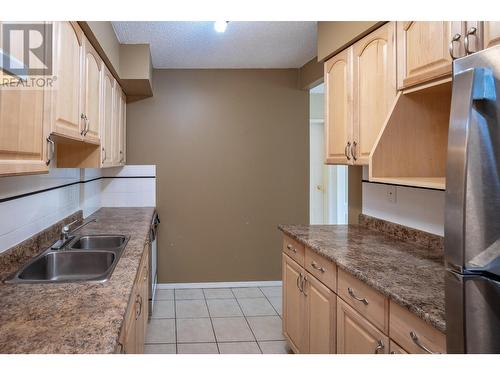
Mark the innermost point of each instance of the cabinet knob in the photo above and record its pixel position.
(291, 248)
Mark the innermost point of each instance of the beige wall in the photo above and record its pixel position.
(333, 36)
(310, 74)
(231, 149)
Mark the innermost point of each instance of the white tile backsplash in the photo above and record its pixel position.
(23, 217)
(421, 209)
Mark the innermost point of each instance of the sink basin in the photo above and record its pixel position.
(87, 258)
(64, 266)
(100, 242)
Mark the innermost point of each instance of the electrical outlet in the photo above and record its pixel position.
(391, 194)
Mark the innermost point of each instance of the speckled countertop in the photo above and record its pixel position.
(76, 317)
(410, 275)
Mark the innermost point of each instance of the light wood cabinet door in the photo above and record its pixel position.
(423, 50)
(338, 108)
(117, 121)
(67, 66)
(491, 34)
(374, 69)
(355, 335)
(396, 349)
(91, 104)
(23, 128)
(107, 131)
(320, 315)
(128, 341)
(122, 130)
(293, 304)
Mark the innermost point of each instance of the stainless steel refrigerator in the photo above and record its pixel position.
(472, 219)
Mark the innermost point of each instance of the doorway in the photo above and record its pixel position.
(327, 183)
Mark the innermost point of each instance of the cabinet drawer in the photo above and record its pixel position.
(396, 349)
(294, 250)
(413, 334)
(321, 268)
(364, 299)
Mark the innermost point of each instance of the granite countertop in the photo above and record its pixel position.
(81, 317)
(411, 275)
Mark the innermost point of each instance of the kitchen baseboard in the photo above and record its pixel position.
(236, 284)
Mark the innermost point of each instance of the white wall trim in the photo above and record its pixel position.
(236, 284)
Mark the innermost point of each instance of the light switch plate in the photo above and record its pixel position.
(391, 194)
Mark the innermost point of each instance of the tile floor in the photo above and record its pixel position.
(212, 321)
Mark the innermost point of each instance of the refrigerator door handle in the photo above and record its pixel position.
(475, 84)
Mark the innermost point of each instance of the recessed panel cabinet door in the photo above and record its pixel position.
(67, 66)
(491, 34)
(338, 108)
(374, 88)
(117, 121)
(122, 129)
(23, 130)
(320, 312)
(108, 89)
(91, 93)
(423, 50)
(293, 304)
(355, 335)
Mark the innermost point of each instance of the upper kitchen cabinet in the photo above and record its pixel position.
(374, 88)
(426, 50)
(360, 90)
(338, 96)
(491, 34)
(107, 124)
(23, 128)
(119, 113)
(65, 99)
(91, 103)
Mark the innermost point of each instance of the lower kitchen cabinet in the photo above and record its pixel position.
(134, 331)
(293, 304)
(320, 317)
(396, 349)
(355, 335)
(308, 311)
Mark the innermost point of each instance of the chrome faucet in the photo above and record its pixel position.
(65, 234)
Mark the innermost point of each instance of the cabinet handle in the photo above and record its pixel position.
(121, 159)
(120, 346)
(351, 293)
(304, 281)
(316, 267)
(84, 118)
(347, 150)
(417, 342)
(104, 153)
(455, 38)
(380, 346)
(354, 150)
(50, 155)
(291, 248)
(471, 31)
(139, 301)
(299, 281)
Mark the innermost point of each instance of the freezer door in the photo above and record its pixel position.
(472, 225)
(472, 314)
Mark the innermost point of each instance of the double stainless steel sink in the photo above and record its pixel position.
(86, 258)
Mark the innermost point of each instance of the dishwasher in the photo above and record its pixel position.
(153, 261)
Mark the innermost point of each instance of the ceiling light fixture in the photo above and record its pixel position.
(220, 26)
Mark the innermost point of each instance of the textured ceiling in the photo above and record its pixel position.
(243, 45)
